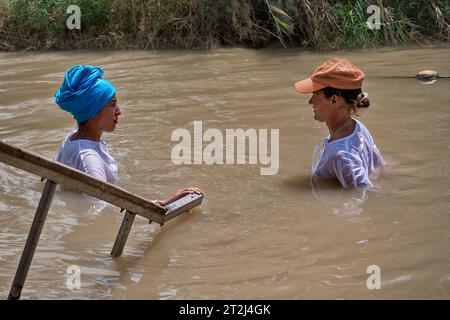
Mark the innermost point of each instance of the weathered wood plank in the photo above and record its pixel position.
(122, 236)
(32, 240)
(56, 172)
(182, 205)
(79, 181)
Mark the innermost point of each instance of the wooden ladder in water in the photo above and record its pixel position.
(57, 173)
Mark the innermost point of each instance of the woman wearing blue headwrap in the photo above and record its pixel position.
(92, 102)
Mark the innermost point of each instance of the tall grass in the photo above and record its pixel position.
(150, 24)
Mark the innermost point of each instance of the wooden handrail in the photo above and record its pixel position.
(58, 173)
(80, 181)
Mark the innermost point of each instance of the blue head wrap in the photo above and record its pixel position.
(84, 92)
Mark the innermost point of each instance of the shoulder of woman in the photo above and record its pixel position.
(345, 156)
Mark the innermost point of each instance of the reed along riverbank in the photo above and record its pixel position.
(151, 24)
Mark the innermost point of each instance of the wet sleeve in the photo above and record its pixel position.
(94, 167)
(58, 155)
(349, 171)
(378, 160)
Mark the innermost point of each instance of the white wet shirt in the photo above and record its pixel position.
(351, 159)
(90, 157)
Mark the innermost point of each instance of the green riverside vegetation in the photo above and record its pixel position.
(152, 24)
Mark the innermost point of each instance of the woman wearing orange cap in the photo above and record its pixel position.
(349, 153)
(92, 102)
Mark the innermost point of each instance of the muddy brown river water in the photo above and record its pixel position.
(256, 236)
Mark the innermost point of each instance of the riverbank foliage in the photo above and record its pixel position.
(153, 24)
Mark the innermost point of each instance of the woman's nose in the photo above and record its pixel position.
(310, 101)
(118, 112)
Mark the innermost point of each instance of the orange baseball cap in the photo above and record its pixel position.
(338, 73)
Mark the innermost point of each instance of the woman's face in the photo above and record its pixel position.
(108, 117)
(325, 108)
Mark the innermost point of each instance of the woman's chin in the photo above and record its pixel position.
(318, 119)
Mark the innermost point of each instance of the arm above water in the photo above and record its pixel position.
(378, 160)
(179, 194)
(93, 166)
(350, 171)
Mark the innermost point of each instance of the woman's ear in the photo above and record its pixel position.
(334, 99)
(338, 100)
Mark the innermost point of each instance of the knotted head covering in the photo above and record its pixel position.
(84, 92)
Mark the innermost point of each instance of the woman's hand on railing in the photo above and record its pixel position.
(179, 194)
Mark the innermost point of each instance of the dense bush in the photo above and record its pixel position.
(154, 24)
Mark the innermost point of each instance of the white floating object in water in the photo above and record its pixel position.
(427, 76)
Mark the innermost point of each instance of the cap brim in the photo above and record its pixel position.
(308, 86)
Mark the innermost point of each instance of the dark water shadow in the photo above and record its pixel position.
(124, 263)
(330, 194)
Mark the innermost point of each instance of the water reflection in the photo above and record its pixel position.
(341, 202)
(81, 203)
